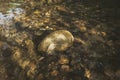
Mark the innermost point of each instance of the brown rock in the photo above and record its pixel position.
(65, 68)
(58, 40)
(63, 60)
(54, 73)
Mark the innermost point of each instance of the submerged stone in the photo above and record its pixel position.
(58, 40)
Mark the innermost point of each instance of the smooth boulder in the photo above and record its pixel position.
(58, 40)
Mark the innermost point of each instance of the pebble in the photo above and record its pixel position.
(54, 73)
(65, 68)
(63, 60)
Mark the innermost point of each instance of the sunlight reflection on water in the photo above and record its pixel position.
(7, 19)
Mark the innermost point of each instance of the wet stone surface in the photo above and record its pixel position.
(59, 40)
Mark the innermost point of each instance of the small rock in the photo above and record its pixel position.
(65, 68)
(58, 40)
(63, 60)
(54, 73)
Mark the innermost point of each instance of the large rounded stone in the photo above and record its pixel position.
(58, 40)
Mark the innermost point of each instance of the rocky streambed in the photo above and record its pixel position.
(58, 40)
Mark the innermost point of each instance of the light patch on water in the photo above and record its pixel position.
(7, 23)
(7, 19)
(16, 11)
